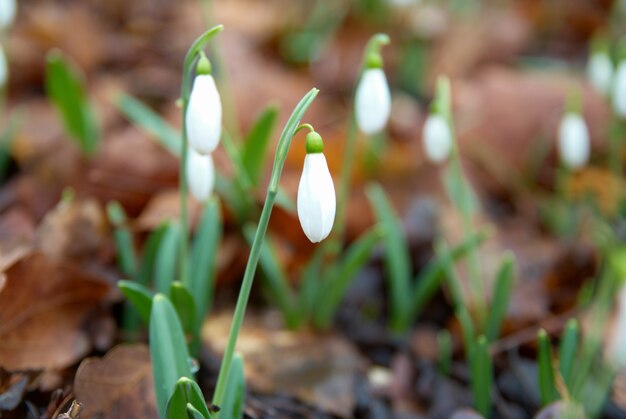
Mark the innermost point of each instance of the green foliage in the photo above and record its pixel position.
(187, 399)
(232, 406)
(166, 259)
(568, 348)
(139, 296)
(481, 368)
(547, 389)
(65, 87)
(501, 296)
(255, 147)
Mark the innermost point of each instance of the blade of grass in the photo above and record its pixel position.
(254, 149)
(482, 376)
(501, 296)
(166, 259)
(397, 259)
(547, 389)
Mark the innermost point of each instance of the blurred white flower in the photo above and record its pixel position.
(573, 141)
(600, 71)
(437, 138)
(316, 198)
(200, 173)
(372, 101)
(4, 68)
(616, 348)
(619, 90)
(204, 115)
(7, 13)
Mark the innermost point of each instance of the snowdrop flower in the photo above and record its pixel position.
(203, 119)
(573, 140)
(7, 13)
(316, 192)
(619, 90)
(4, 68)
(600, 71)
(200, 173)
(437, 138)
(616, 350)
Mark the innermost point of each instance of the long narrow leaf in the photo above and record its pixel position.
(65, 86)
(254, 149)
(127, 259)
(547, 389)
(397, 258)
(166, 259)
(567, 350)
(186, 392)
(501, 296)
(168, 351)
(482, 376)
(139, 296)
(232, 407)
(185, 307)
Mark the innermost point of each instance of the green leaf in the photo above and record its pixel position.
(65, 88)
(568, 348)
(187, 394)
(203, 256)
(501, 296)
(127, 259)
(139, 296)
(254, 149)
(547, 389)
(444, 343)
(311, 284)
(185, 307)
(168, 351)
(482, 376)
(459, 190)
(166, 259)
(241, 174)
(150, 252)
(275, 278)
(428, 280)
(150, 122)
(232, 407)
(342, 274)
(397, 258)
(194, 413)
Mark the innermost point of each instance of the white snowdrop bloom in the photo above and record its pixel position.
(4, 68)
(616, 349)
(204, 115)
(437, 138)
(619, 90)
(316, 193)
(7, 13)
(372, 101)
(573, 141)
(200, 173)
(600, 71)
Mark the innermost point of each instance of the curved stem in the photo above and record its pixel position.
(192, 53)
(255, 252)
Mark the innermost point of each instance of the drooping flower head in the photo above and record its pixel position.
(316, 192)
(203, 119)
(372, 98)
(619, 84)
(200, 173)
(573, 142)
(8, 9)
(616, 350)
(437, 133)
(4, 68)
(600, 66)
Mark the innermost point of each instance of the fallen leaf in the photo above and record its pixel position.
(42, 308)
(120, 383)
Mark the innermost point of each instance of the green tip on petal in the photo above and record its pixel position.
(314, 143)
(442, 104)
(204, 65)
(372, 57)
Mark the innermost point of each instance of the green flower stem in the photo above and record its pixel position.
(255, 252)
(344, 183)
(616, 147)
(192, 54)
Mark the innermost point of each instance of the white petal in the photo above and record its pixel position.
(616, 350)
(600, 71)
(316, 198)
(437, 138)
(372, 101)
(573, 141)
(7, 13)
(619, 90)
(204, 115)
(4, 68)
(200, 173)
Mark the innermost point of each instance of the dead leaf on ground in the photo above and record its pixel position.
(42, 308)
(120, 383)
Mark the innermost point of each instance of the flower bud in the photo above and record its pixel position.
(616, 348)
(372, 101)
(600, 71)
(316, 192)
(4, 68)
(619, 90)
(7, 13)
(204, 111)
(437, 138)
(200, 173)
(573, 141)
